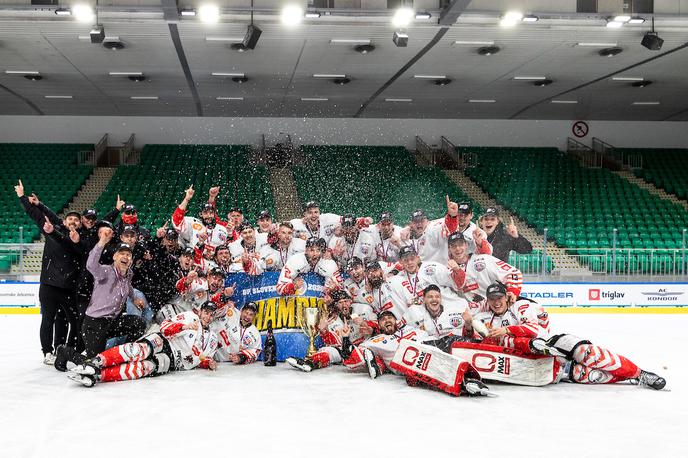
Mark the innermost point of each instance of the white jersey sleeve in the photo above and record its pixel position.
(234, 339)
(189, 346)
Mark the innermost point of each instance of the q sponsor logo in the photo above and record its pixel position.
(662, 295)
(485, 362)
(414, 357)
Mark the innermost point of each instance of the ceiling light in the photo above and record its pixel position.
(511, 18)
(636, 20)
(83, 13)
(364, 49)
(58, 97)
(125, 73)
(622, 18)
(147, 97)
(189, 12)
(481, 101)
(627, 78)
(22, 72)
(474, 43)
(597, 45)
(610, 52)
(423, 16)
(327, 76)
(398, 100)
(645, 103)
(530, 18)
(292, 15)
(488, 50)
(564, 101)
(400, 39)
(614, 24)
(63, 12)
(229, 98)
(314, 99)
(530, 78)
(225, 39)
(209, 14)
(429, 77)
(347, 41)
(643, 83)
(402, 17)
(227, 74)
(312, 14)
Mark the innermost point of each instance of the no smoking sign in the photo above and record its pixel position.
(580, 129)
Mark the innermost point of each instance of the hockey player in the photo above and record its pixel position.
(354, 284)
(436, 318)
(240, 341)
(244, 251)
(183, 343)
(266, 232)
(473, 273)
(331, 328)
(315, 224)
(275, 256)
(387, 238)
(190, 228)
(290, 281)
(352, 242)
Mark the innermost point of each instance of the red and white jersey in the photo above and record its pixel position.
(236, 250)
(436, 248)
(482, 270)
(298, 265)
(190, 296)
(189, 347)
(384, 249)
(363, 248)
(325, 230)
(524, 318)
(385, 345)
(204, 265)
(355, 289)
(330, 335)
(236, 339)
(275, 257)
(261, 240)
(449, 321)
(189, 229)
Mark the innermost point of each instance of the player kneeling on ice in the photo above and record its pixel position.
(183, 343)
(239, 339)
(344, 314)
(518, 349)
(405, 350)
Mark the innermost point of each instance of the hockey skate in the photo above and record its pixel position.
(88, 367)
(301, 364)
(650, 380)
(66, 358)
(85, 380)
(540, 347)
(475, 387)
(374, 369)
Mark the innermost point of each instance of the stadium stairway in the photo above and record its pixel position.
(94, 186)
(565, 265)
(651, 188)
(287, 205)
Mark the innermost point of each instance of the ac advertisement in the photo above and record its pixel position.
(607, 294)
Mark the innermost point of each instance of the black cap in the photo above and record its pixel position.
(130, 228)
(216, 271)
(209, 305)
(372, 265)
(418, 215)
(386, 216)
(103, 223)
(251, 306)
(310, 204)
(491, 211)
(208, 206)
(318, 242)
(407, 250)
(220, 248)
(265, 214)
(73, 213)
(386, 312)
(124, 247)
(129, 208)
(456, 237)
(348, 221)
(90, 213)
(339, 295)
(465, 208)
(171, 234)
(243, 226)
(236, 210)
(353, 262)
(496, 289)
(431, 288)
(188, 251)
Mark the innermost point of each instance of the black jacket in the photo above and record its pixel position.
(62, 259)
(156, 278)
(503, 243)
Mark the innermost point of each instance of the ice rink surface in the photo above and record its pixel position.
(257, 411)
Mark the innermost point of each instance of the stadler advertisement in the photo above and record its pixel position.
(608, 294)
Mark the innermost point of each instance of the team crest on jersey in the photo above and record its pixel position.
(329, 230)
(269, 261)
(479, 266)
(230, 312)
(429, 270)
(365, 249)
(455, 321)
(197, 226)
(369, 299)
(247, 340)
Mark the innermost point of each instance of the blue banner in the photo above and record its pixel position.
(281, 311)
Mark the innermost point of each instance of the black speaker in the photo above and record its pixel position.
(252, 35)
(400, 39)
(652, 41)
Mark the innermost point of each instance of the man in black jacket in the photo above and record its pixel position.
(503, 238)
(62, 262)
(130, 217)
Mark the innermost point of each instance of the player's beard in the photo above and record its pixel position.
(209, 222)
(375, 282)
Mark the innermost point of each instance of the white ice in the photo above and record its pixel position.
(257, 411)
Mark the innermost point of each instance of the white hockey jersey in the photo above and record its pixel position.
(524, 318)
(275, 258)
(236, 250)
(384, 346)
(299, 265)
(189, 347)
(189, 229)
(325, 230)
(363, 248)
(384, 249)
(482, 270)
(236, 339)
(436, 248)
(449, 321)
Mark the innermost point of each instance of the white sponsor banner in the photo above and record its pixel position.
(607, 294)
(19, 294)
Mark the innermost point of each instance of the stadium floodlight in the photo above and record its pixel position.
(511, 18)
(209, 13)
(614, 24)
(423, 16)
(63, 12)
(292, 15)
(622, 18)
(83, 13)
(530, 18)
(313, 14)
(188, 12)
(636, 20)
(402, 17)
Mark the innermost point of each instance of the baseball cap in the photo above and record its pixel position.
(236, 210)
(339, 294)
(187, 252)
(418, 215)
(455, 237)
(209, 305)
(243, 226)
(265, 214)
(315, 241)
(465, 208)
(496, 289)
(90, 213)
(171, 234)
(353, 262)
(103, 223)
(124, 247)
(73, 213)
(208, 207)
(386, 217)
(348, 221)
(130, 228)
(372, 265)
(407, 250)
(131, 208)
(491, 211)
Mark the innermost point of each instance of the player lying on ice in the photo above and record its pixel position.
(183, 343)
(519, 349)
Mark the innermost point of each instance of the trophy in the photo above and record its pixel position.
(308, 320)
